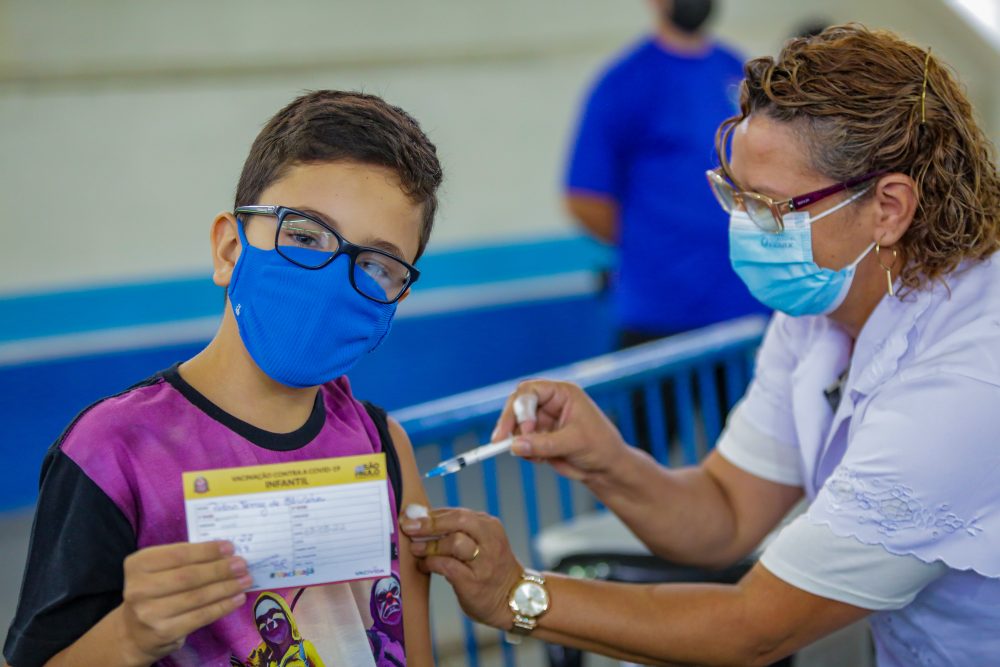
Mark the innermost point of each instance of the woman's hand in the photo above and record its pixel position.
(569, 430)
(470, 550)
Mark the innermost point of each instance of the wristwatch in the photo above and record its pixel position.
(529, 599)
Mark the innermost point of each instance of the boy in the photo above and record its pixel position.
(335, 203)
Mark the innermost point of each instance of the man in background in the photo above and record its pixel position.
(636, 176)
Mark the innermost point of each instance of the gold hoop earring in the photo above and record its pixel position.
(888, 270)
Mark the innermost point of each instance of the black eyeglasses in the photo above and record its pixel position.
(312, 244)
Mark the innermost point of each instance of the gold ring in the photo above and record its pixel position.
(475, 554)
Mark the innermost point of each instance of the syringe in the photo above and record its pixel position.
(525, 407)
(476, 455)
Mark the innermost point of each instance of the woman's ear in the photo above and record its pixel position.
(896, 203)
(225, 248)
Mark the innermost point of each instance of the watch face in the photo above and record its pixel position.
(530, 599)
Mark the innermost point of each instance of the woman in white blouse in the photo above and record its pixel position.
(876, 395)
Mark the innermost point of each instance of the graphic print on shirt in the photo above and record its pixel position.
(386, 633)
(281, 644)
(285, 643)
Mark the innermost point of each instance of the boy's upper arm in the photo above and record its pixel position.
(73, 576)
(416, 585)
(413, 484)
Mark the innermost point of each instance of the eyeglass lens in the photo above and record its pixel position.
(758, 210)
(310, 244)
(761, 213)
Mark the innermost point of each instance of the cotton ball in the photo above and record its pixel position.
(525, 407)
(416, 512)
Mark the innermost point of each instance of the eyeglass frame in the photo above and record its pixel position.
(344, 247)
(792, 204)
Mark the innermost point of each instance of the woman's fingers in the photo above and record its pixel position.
(553, 400)
(458, 573)
(443, 522)
(456, 545)
(540, 404)
(472, 552)
(456, 533)
(540, 446)
(506, 422)
(479, 526)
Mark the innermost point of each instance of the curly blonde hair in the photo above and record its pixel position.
(859, 99)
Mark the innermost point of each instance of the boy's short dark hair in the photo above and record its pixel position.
(333, 125)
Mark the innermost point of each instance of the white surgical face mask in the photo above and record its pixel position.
(779, 270)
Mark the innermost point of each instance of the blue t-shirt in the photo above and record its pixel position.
(645, 139)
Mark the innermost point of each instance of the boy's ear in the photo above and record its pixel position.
(225, 248)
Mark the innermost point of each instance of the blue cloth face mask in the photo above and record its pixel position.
(779, 270)
(303, 327)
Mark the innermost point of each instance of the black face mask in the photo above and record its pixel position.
(689, 15)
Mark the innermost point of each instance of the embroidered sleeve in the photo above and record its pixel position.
(921, 474)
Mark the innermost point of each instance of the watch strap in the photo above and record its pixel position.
(523, 625)
(534, 576)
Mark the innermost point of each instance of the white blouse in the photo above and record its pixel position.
(903, 480)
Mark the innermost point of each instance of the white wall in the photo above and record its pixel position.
(124, 124)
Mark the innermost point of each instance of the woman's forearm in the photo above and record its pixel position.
(681, 514)
(755, 622)
(668, 624)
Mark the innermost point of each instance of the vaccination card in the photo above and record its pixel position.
(297, 524)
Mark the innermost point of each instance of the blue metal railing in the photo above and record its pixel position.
(643, 389)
